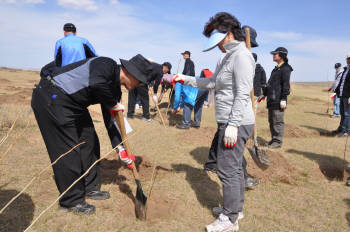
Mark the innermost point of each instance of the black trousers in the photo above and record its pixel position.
(142, 92)
(60, 135)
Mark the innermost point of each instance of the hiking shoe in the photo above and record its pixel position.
(195, 125)
(147, 120)
(275, 145)
(218, 210)
(250, 182)
(222, 224)
(80, 209)
(98, 195)
(182, 126)
(343, 135)
(130, 116)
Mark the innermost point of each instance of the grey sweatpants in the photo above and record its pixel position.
(230, 170)
(276, 121)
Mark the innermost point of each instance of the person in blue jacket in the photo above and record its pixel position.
(189, 99)
(72, 48)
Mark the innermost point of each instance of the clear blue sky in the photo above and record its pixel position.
(316, 33)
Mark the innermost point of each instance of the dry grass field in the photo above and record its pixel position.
(303, 189)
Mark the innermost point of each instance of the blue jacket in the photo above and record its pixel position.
(184, 94)
(72, 49)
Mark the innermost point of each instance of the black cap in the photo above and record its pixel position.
(337, 65)
(255, 56)
(280, 50)
(253, 36)
(168, 65)
(69, 27)
(186, 52)
(139, 67)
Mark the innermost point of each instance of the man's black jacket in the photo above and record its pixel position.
(157, 74)
(259, 80)
(278, 86)
(81, 84)
(189, 68)
(346, 89)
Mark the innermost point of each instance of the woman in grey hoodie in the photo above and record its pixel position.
(232, 82)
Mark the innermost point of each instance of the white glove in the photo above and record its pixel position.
(155, 99)
(349, 101)
(283, 104)
(124, 156)
(261, 98)
(230, 138)
(114, 110)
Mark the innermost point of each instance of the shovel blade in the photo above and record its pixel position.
(260, 157)
(140, 201)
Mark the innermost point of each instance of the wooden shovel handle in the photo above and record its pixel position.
(120, 122)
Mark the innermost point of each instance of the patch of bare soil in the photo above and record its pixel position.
(159, 206)
(4, 81)
(204, 135)
(292, 131)
(280, 170)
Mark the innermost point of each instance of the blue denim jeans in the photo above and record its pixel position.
(336, 106)
(345, 113)
(188, 108)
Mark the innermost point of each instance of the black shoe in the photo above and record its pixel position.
(81, 209)
(98, 195)
(250, 182)
(130, 116)
(275, 145)
(182, 126)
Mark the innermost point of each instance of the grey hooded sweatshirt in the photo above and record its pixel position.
(233, 82)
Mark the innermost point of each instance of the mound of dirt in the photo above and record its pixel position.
(201, 136)
(22, 96)
(292, 131)
(280, 170)
(4, 81)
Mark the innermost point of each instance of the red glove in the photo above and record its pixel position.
(261, 98)
(177, 78)
(116, 108)
(330, 90)
(127, 159)
(333, 96)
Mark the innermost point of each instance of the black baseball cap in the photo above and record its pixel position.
(280, 50)
(186, 52)
(69, 27)
(253, 36)
(139, 67)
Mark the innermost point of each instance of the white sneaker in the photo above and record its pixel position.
(222, 224)
(137, 106)
(218, 210)
(147, 120)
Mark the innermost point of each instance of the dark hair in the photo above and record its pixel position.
(224, 22)
(69, 27)
(283, 56)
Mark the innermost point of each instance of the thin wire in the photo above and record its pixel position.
(37, 176)
(76, 181)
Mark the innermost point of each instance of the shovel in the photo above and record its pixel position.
(259, 155)
(141, 198)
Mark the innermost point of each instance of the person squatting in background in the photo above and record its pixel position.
(72, 48)
(336, 99)
(277, 91)
(233, 82)
(343, 92)
(60, 103)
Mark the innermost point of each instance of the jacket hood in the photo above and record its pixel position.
(287, 66)
(258, 67)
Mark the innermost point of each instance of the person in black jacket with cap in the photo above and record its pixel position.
(277, 91)
(189, 65)
(259, 78)
(60, 103)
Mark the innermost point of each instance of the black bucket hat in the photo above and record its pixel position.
(280, 50)
(253, 36)
(139, 67)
